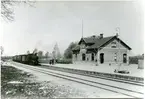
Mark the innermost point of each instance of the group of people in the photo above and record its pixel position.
(51, 62)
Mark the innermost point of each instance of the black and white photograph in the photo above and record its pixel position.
(72, 49)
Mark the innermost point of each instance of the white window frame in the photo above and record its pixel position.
(113, 45)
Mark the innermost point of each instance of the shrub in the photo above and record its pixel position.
(65, 61)
(43, 61)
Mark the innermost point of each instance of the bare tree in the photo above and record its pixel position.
(7, 8)
(40, 53)
(46, 54)
(56, 52)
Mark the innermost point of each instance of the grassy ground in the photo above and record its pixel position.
(29, 88)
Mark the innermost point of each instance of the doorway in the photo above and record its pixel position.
(124, 58)
(102, 58)
(83, 57)
(92, 56)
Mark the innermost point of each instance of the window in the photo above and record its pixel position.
(101, 58)
(115, 57)
(113, 45)
(124, 58)
(76, 55)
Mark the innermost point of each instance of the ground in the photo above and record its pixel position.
(17, 83)
(25, 82)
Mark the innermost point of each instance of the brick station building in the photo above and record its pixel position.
(99, 49)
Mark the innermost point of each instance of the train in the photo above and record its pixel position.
(30, 59)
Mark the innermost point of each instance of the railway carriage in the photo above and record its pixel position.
(31, 59)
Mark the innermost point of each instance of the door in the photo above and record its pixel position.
(92, 56)
(102, 58)
(124, 58)
(83, 57)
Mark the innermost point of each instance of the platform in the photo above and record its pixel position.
(105, 68)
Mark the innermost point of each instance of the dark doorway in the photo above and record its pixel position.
(83, 57)
(102, 58)
(92, 56)
(124, 58)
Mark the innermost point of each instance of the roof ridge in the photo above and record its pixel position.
(98, 36)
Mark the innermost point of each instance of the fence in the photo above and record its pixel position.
(140, 64)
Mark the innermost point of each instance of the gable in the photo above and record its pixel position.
(81, 41)
(116, 43)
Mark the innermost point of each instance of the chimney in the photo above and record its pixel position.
(94, 36)
(101, 36)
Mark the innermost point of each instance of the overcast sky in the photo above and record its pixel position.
(50, 22)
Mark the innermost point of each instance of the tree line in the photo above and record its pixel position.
(68, 54)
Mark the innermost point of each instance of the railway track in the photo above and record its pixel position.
(75, 71)
(123, 91)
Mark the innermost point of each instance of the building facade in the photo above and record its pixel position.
(99, 49)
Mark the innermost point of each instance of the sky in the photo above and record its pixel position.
(48, 23)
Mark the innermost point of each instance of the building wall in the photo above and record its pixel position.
(88, 57)
(109, 53)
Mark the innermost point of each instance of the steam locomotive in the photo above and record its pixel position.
(30, 59)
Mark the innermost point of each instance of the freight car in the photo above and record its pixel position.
(30, 59)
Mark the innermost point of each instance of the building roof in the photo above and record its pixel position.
(76, 48)
(97, 42)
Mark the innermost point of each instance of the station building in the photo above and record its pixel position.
(100, 50)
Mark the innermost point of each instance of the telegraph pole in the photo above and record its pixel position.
(82, 28)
